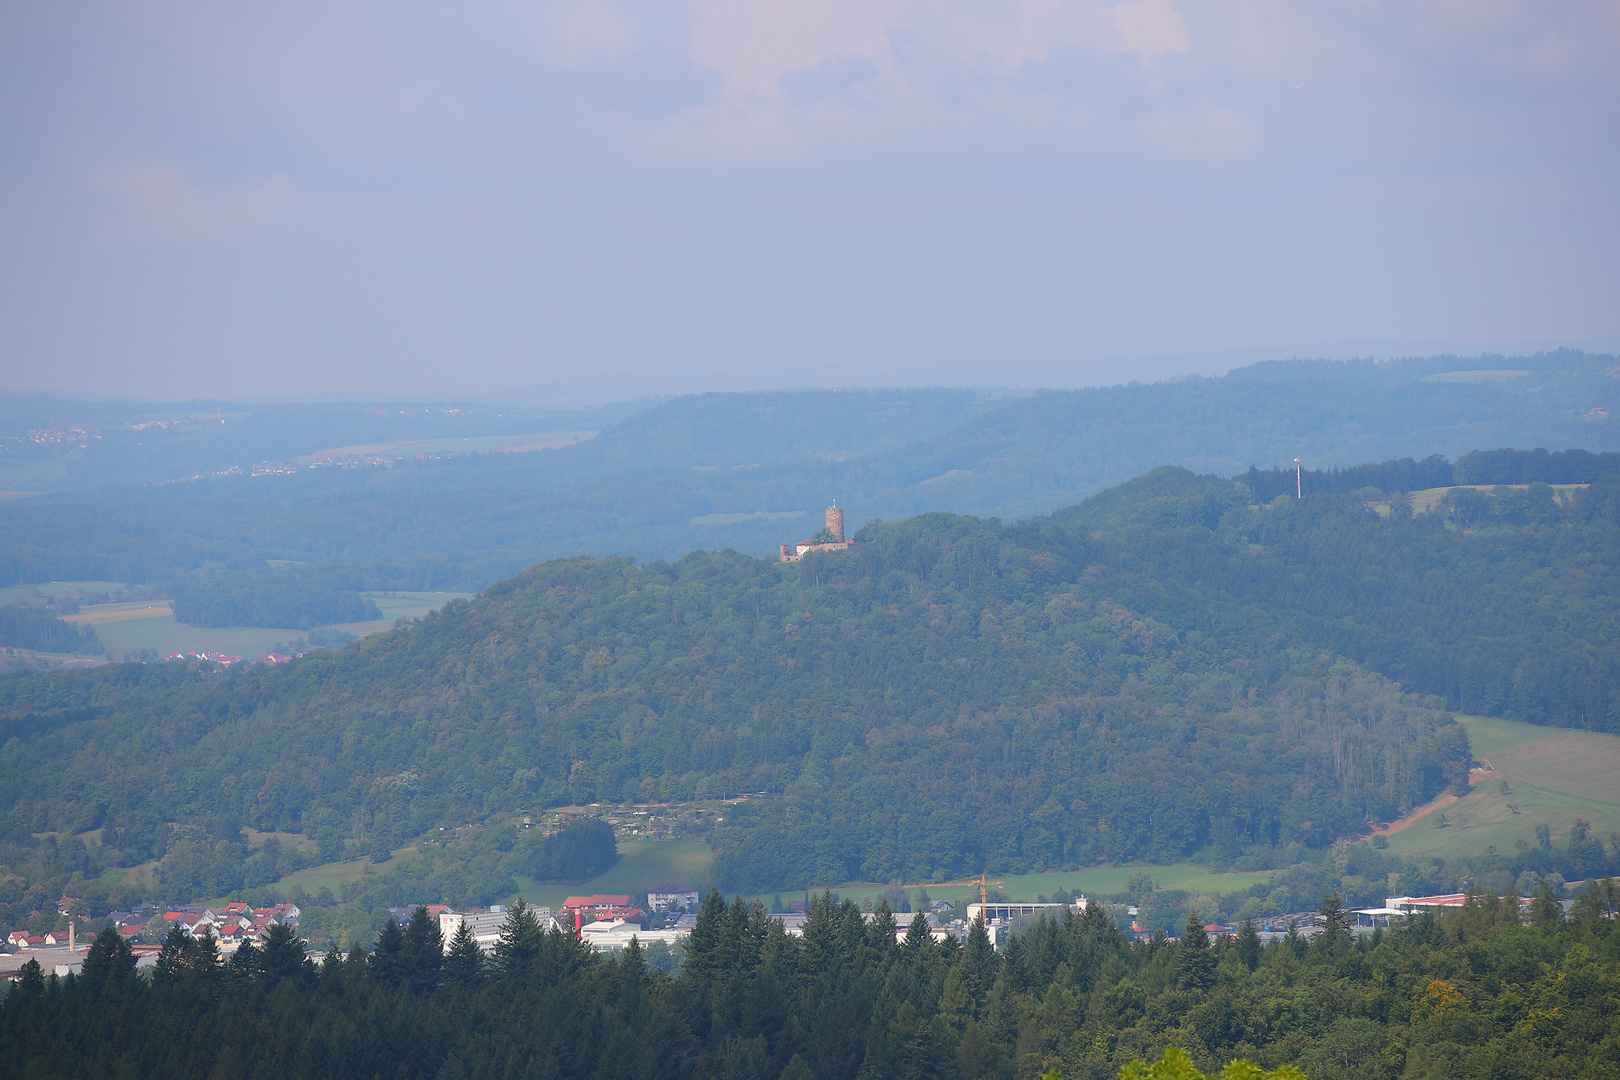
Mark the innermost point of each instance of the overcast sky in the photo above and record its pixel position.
(223, 198)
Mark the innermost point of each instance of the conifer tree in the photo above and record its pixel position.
(1195, 964)
(203, 963)
(519, 944)
(1248, 944)
(880, 932)
(1336, 936)
(282, 955)
(171, 961)
(979, 965)
(244, 964)
(704, 946)
(108, 961)
(918, 938)
(424, 951)
(388, 955)
(464, 963)
(1546, 910)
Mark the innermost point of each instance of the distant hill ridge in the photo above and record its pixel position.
(464, 522)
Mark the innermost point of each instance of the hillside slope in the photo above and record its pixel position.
(1163, 671)
(952, 694)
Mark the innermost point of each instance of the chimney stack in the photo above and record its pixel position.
(835, 523)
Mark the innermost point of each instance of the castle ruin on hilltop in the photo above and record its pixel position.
(830, 538)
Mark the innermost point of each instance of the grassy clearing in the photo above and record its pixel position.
(163, 635)
(335, 875)
(1490, 735)
(642, 864)
(400, 606)
(1029, 887)
(1583, 764)
(1553, 776)
(1428, 498)
(544, 440)
(100, 615)
(60, 590)
(127, 628)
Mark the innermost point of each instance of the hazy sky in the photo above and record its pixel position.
(414, 197)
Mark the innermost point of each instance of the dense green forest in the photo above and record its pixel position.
(580, 851)
(1479, 993)
(26, 627)
(289, 596)
(1166, 671)
(951, 695)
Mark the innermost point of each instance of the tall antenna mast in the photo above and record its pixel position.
(1299, 482)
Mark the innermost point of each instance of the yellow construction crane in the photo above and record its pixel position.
(980, 881)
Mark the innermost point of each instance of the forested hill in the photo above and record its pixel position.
(1161, 671)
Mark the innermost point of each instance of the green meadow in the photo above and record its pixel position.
(128, 628)
(1551, 776)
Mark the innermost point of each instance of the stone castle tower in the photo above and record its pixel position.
(835, 523)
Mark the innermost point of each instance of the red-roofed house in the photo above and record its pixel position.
(598, 902)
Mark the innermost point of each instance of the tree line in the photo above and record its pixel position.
(1480, 992)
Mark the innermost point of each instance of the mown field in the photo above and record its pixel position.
(1428, 498)
(128, 628)
(1552, 776)
(650, 862)
(544, 440)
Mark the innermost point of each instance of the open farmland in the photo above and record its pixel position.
(128, 628)
(1429, 498)
(1552, 776)
(545, 440)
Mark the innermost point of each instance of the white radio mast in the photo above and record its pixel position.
(1299, 483)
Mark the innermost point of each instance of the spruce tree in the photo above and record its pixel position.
(282, 955)
(464, 963)
(519, 944)
(424, 951)
(917, 938)
(880, 932)
(979, 964)
(109, 960)
(171, 958)
(1248, 944)
(388, 962)
(705, 945)
(1195, 964)
(203, 963)
(1336, 936)
(244, 965)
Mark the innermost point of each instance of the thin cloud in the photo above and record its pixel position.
(149, 200)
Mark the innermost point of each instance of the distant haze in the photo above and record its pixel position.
(594, 199)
